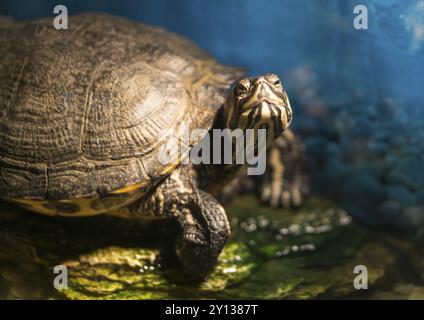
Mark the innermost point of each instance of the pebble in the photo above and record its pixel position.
(420, 197)
(378, 147)
(400, 194)
(413, 151)
(322, 229)
(397, 141)
(316, 145)
(333, 150)
(369, 168)
(408, 171)
(365, 190)
(390, 160)
(382, 135)
(332, 174)
(390, 208)
(414, 215)
(363, 127)
(295, 229)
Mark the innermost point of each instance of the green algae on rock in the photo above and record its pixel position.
(308, 253)
(118, 273)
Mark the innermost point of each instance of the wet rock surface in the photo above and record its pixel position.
(309, 253)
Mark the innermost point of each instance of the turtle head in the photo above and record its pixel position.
(258, 103)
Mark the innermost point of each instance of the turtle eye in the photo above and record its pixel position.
(242, 89)
(275, 81)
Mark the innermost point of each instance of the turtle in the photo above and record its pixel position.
(87, 112)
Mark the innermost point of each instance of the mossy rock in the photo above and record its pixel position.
(133, 273)
(272, 254)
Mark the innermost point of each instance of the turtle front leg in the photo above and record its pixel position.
(285, 182)
(204, 225)
(205, 230)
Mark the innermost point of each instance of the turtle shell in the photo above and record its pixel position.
(85, 111)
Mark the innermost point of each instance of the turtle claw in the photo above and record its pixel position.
(285, 195)
(194, 255)
(205, 230)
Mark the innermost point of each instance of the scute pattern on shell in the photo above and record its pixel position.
(84, 111)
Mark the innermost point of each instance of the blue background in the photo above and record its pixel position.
(280, 35)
